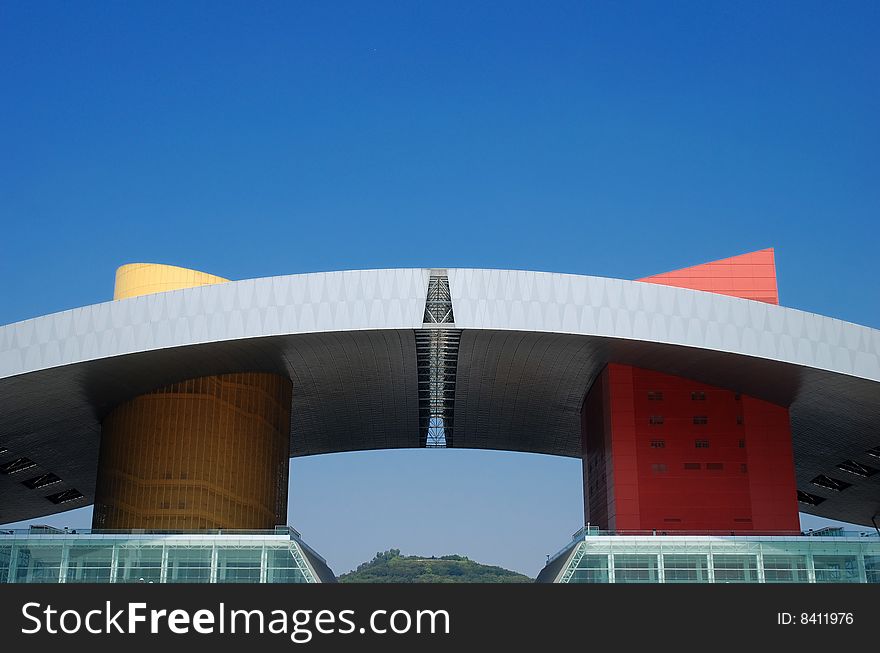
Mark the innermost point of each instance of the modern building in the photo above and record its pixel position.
(42, 554)
(829, 555)
(696, 402)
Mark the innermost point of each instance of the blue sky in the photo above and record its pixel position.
(616, 139)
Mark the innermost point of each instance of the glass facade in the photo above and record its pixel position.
(685, 568)
(595, 558)
(130, 557)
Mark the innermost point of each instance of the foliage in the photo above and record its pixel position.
(391, 567)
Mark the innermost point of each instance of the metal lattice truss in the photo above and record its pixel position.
(438, 306)
(437, 355)
(573, 563)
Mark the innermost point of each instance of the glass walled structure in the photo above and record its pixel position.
(48, 555)
(696, 403)
(837, 557)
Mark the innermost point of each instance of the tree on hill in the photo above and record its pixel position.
(391, 567)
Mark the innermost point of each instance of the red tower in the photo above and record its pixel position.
(667, 453)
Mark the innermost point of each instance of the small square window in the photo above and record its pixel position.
(698, 396)
(742, 444)
(701, 419)
(658, 468)
(701, 444)
(692, 465)
(739, 420)
(658, 444)
(655, 419)
(715, 466)
(655, 395)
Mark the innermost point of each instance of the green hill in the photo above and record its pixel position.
(391, 567)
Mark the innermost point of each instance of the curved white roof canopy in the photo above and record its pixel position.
(531, 344)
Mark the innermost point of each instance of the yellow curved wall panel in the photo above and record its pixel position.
(211, 452)
(136, 279)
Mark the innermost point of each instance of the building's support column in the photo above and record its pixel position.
(6, 571)
(860, 561)
(65, 563)
(114, 564)
(163, 566)
(811, 569)
(760, 558)
(210, 452)
(665, 454)
(13, 564)
(214, 560)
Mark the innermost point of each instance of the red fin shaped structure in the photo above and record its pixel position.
(749, 276)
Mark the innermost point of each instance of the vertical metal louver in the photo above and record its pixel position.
(437, 356)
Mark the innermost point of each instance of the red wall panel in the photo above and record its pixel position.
(649, 464)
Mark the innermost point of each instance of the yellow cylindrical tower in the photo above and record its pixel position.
(204, 453)
(210, 452)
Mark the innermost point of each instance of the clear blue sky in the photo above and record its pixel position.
(616, 139)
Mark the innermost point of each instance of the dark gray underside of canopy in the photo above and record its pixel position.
(358, 390)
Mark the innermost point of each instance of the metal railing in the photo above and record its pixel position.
(831, 531)
(594, 531)
(52, 530)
